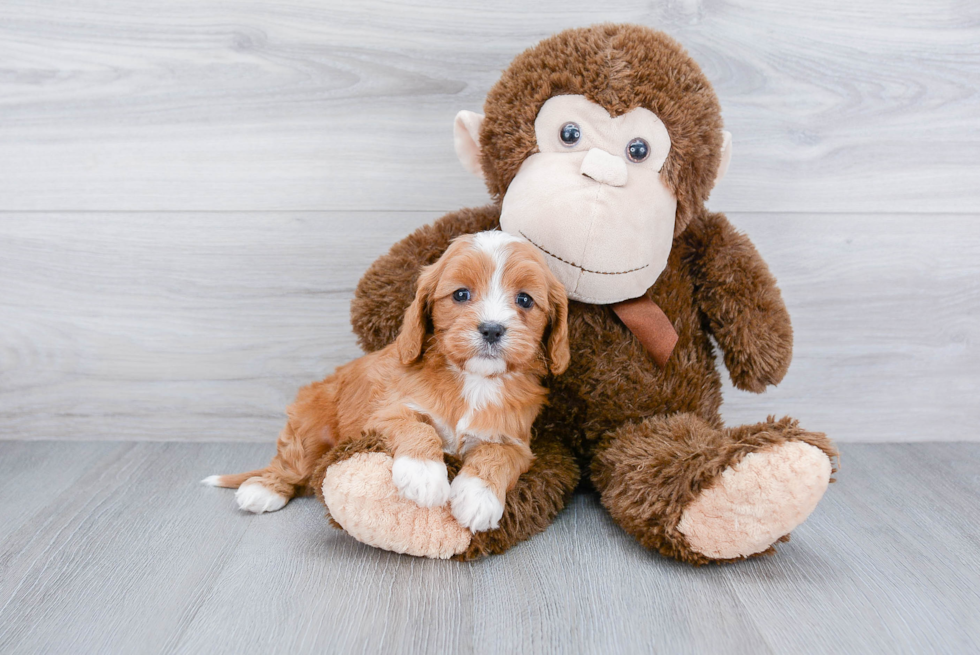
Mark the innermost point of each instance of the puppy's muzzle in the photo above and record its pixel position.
(491, 332)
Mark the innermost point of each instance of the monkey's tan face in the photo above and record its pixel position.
(592, 199)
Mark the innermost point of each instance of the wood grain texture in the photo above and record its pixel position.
(125, 552)
(203, 326)
(836, 106)
(175, 326)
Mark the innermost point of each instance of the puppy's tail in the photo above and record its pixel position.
(231, 481)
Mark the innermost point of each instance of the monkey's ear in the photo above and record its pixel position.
(466, 139)
(726, 156)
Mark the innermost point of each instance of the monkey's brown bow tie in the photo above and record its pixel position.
(647, 321)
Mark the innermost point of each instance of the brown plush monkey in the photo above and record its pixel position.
(600, 147)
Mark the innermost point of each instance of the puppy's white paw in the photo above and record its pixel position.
(258, 498)
(474, 504)
(424, 481)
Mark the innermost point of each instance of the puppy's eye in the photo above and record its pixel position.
(524, 300)
(570, 134)
(637, 150)
(461, 295)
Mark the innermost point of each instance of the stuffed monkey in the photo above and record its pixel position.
(600, 147)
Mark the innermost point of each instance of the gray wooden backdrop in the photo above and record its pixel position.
(190, 189)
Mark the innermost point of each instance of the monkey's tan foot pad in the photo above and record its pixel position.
(756, 501)
(362, 498)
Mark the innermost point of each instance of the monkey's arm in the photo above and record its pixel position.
(741, 301)
(388, 287)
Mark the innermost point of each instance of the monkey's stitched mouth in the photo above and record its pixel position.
(581, 268)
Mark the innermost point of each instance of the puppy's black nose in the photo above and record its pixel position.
(491, 331)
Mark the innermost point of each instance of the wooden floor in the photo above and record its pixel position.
(115, 548)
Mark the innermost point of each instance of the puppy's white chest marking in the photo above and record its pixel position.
(480, 391)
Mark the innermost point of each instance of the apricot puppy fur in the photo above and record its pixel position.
(489, 320)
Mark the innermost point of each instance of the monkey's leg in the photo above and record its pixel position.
(354, 482)
(700, 494)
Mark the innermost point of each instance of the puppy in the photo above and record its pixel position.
(463, 376)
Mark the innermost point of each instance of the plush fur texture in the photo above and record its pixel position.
(689, 457)
(650, 438)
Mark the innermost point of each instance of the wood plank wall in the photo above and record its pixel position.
(189, 191)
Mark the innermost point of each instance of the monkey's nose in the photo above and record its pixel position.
(491, 332)
(605, 168)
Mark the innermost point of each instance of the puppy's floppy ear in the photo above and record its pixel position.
(557, 349)
(411, 339)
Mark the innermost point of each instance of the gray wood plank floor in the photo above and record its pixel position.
(115, 548)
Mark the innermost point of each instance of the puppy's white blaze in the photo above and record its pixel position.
(423, 481)
(496, 305)
(474, 504)
(258, 498)
(493, 240)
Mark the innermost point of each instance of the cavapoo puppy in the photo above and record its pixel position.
(488, 321)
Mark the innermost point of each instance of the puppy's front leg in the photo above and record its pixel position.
(489, 471)
(419, 471)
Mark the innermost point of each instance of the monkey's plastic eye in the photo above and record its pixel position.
(637, 150)
(524, 300)
(461, 295)
(570, 134)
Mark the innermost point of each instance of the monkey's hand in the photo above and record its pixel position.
(744, 307)
(388, 287)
